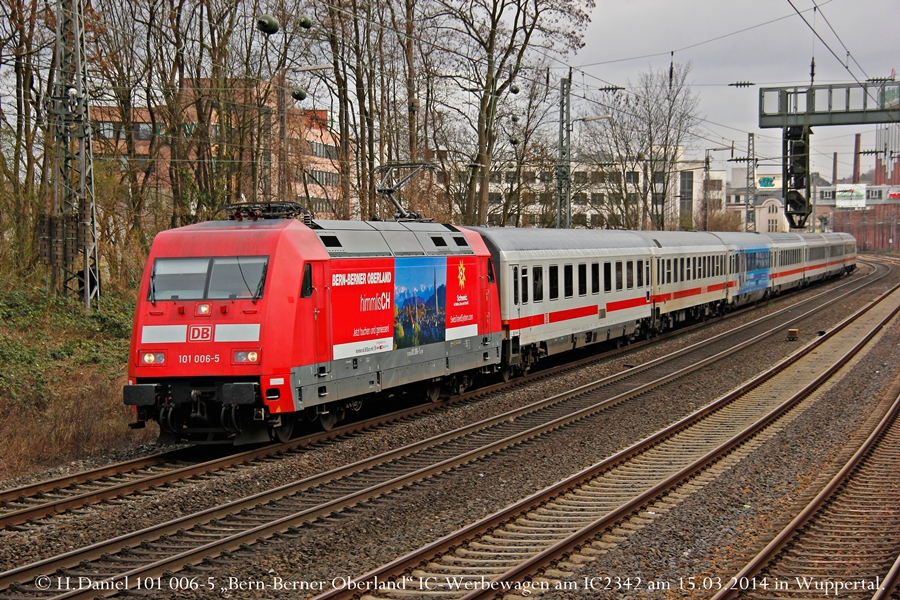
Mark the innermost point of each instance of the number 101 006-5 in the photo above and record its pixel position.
(187, 359)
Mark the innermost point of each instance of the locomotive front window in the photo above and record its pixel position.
(208, 278)
(179, 279)
(238, 277)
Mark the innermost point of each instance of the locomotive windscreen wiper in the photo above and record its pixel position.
(262, 282)
(153, 285)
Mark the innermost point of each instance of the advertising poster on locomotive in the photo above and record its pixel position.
(362, 308)
(389, 304)
(462, 297)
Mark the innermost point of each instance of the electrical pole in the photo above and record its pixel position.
(563, 182)
(751, 179)
(68, 237)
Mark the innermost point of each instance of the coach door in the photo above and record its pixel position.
(513, 292)
(321, 319)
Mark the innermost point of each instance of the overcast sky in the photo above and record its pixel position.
(627, 37)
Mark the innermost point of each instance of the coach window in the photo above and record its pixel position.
(607, 277)
(568, 284)
(639, 267)
(629, 274)
(490, 271)
(515, 285)
(680, 271)
(582, 279)
(595, 278)
(306, 289)
(554, 283)
(537, 276)
(620, 284)
(668, 270)
(524, 285)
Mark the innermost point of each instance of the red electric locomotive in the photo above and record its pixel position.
(242, 327)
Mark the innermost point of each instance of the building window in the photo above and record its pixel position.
(322, 150)
(686, 203)
(323, 178)
(143, 131)
(632, 177)
(581, 177)
(580, 198)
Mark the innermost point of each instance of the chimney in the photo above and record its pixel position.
(856, 152)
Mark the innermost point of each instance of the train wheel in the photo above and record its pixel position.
(433, 392)
(283, 432)
(328, 420)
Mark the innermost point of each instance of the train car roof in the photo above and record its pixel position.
(680, 239)
(783, 237)
(513, 239)
(740, 238)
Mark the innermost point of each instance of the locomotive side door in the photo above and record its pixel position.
(321, 319)
(486, 294)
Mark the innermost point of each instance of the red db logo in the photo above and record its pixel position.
(200, 333)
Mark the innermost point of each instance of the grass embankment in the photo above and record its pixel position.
(61, 378)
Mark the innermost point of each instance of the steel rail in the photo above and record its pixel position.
(773, 548)
(56, 506)
(122, 542)
(406, 563)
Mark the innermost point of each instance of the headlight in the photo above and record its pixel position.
(246, 357)
(153, 358)
(203, 309)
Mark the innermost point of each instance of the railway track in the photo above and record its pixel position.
(508, 551)
(845, 542)
(186, 541)
(23, 505)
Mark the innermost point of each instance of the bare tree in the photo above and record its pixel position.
(641, 147)
(487, 42)
(25, 55)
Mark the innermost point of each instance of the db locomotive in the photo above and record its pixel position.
(245, 327)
